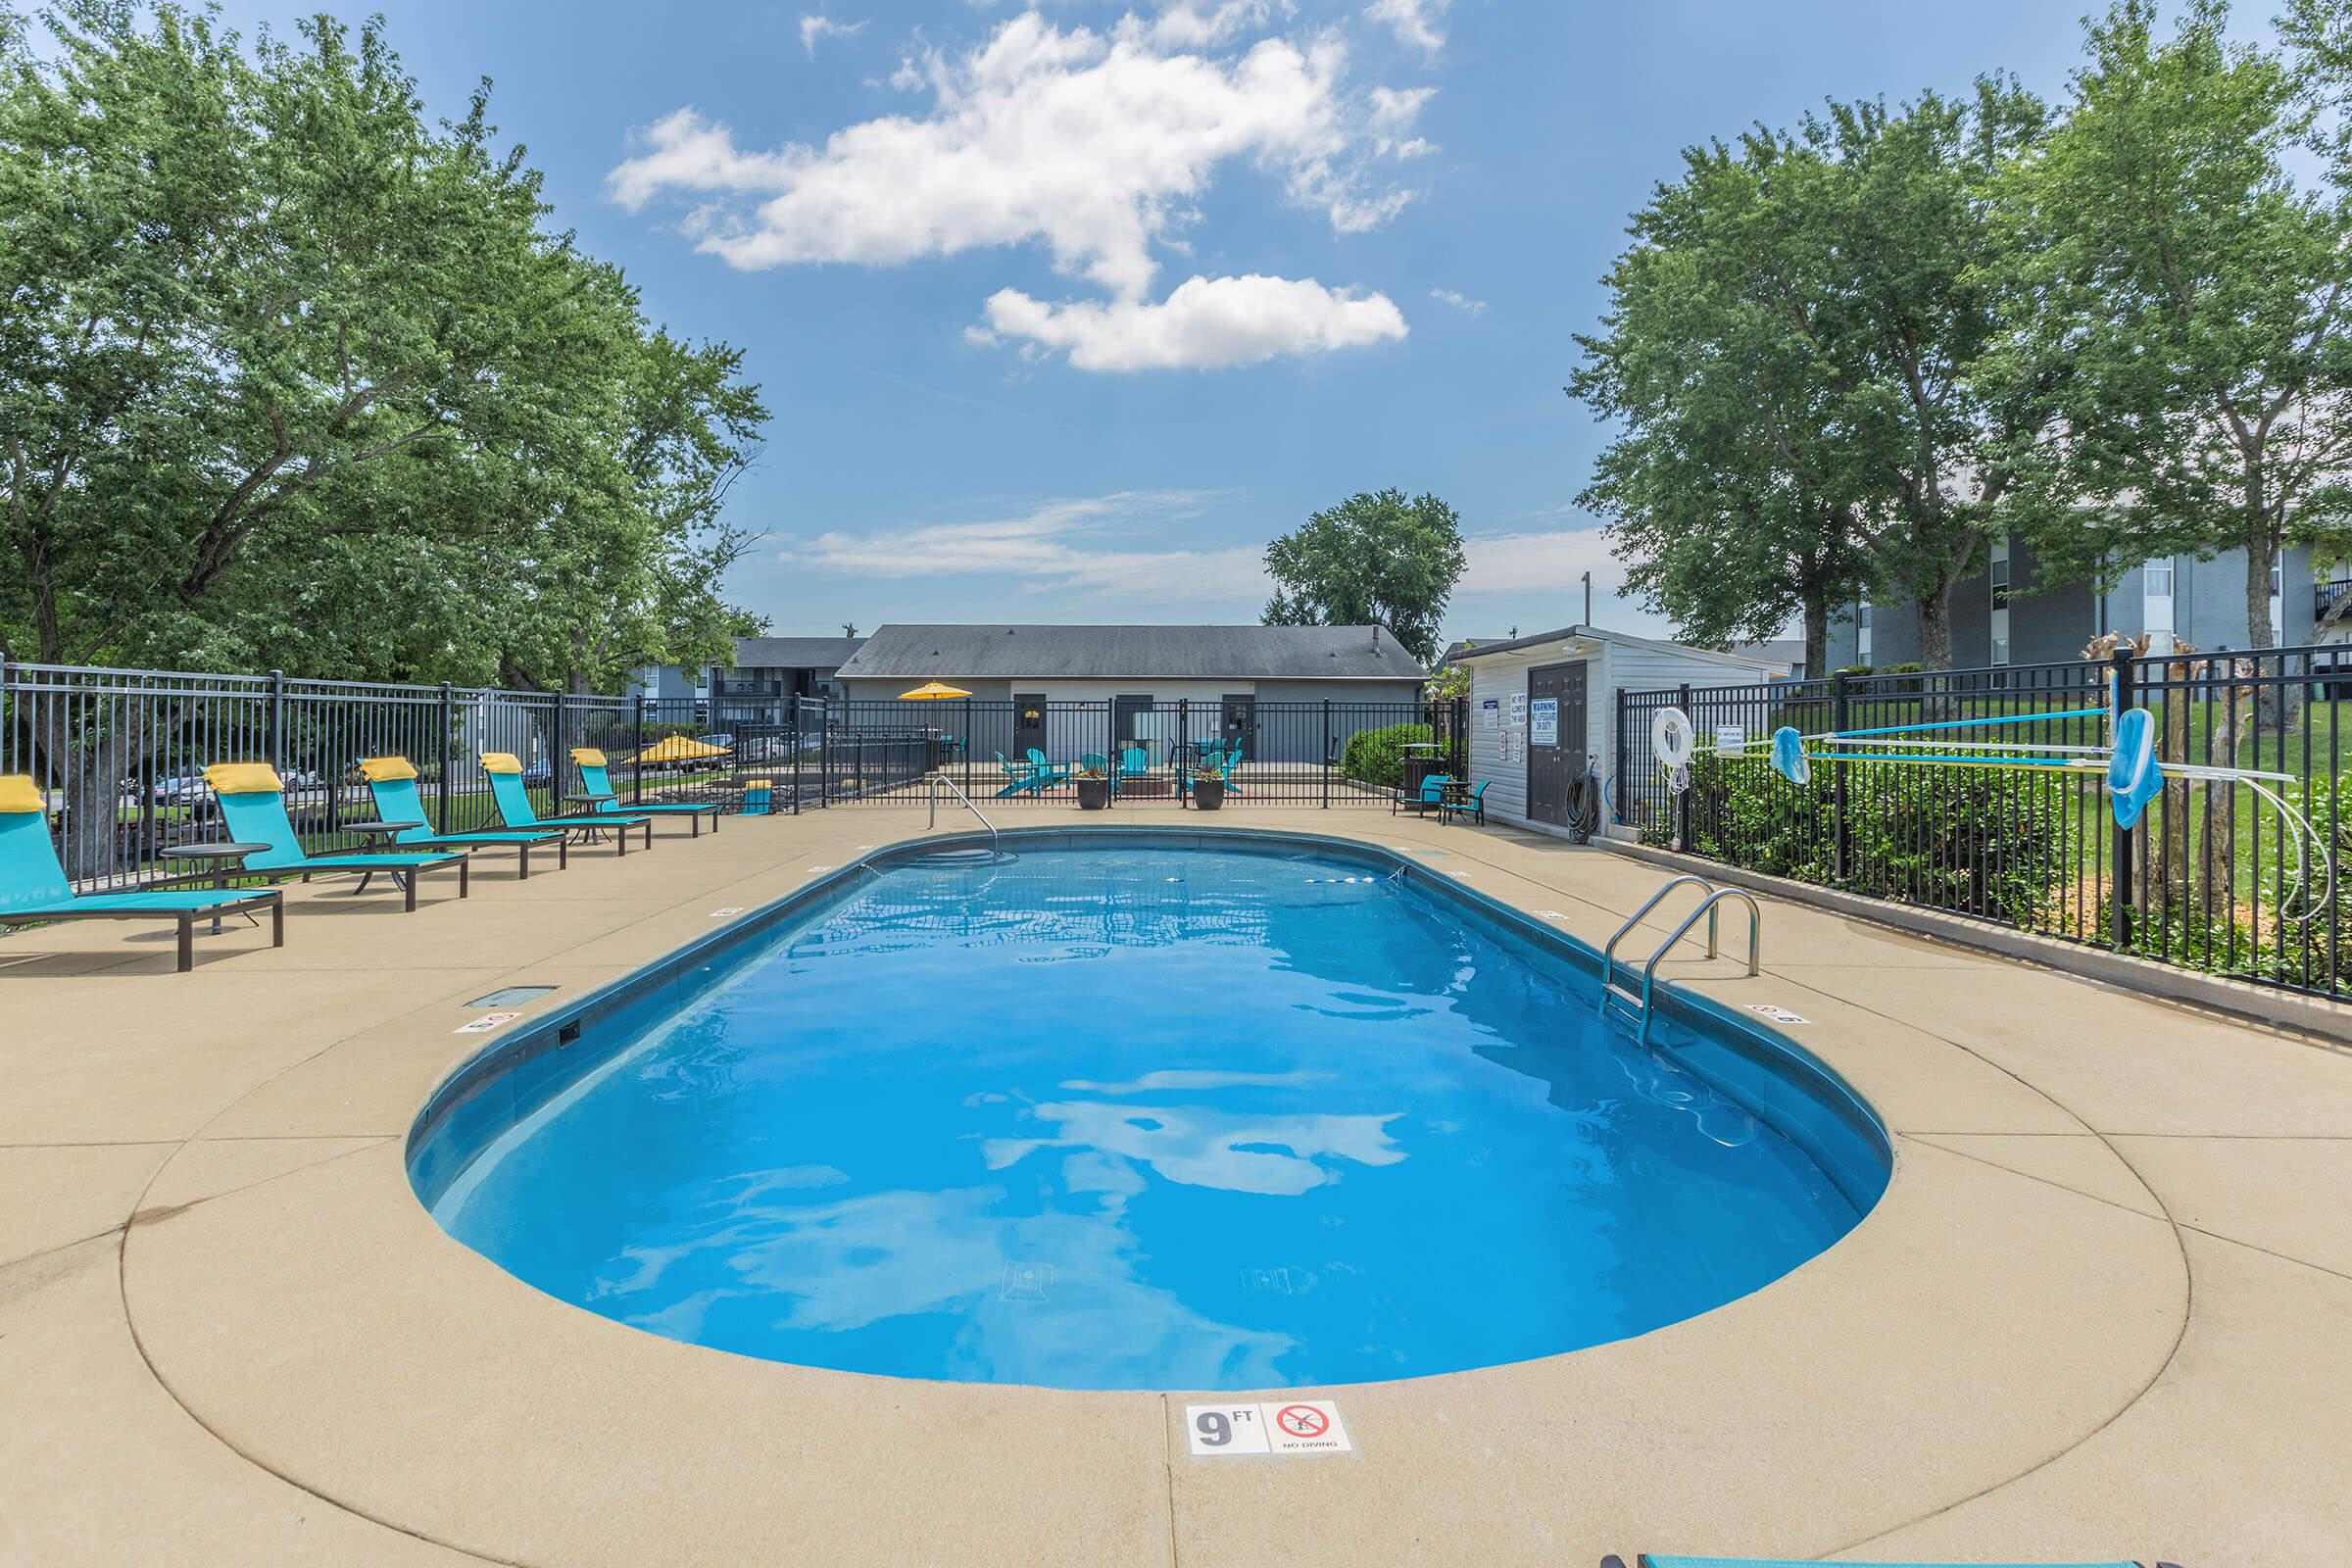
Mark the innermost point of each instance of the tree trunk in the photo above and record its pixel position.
(1817, 637)
(2260, 556)
(1936, 628)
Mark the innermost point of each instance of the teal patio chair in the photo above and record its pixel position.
(595, 788)
(1019, 777)
(1051, 775)
(1225, 758)
(253, 807)
(515, 812)
(1431, 794)
(392, 780)
(34, 889)
(1133, 762)
(1473, 804)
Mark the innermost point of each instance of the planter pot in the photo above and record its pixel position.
(1094, 793)
(1208, 794)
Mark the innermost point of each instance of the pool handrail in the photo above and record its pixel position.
(1608, 953)
(939, 778)
(1715, 895)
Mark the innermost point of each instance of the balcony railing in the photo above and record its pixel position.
(2329, 597)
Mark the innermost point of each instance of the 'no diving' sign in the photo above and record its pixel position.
(1291, 1426)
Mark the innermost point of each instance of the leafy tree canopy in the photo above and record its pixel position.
(1380, 557)
(291, 377)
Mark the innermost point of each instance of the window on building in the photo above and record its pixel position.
(2156, 605)
(1861, 635)
(2000, 600)
(2277, 615)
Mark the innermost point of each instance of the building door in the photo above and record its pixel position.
(1241, 722)
(1028, 724)
(1124, 712)
(1556, 738)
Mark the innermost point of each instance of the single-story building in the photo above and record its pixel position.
(1541, 706)
(1263, 686)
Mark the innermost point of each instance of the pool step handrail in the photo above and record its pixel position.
(937, 779)
(1635, 1006)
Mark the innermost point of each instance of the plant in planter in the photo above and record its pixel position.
(1094, 789)
(1208, 789)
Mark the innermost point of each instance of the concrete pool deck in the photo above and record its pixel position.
(2103, 1310)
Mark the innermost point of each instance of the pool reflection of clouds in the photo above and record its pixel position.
(1194, 1145)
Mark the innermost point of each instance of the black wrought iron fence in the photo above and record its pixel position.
(2000, 811)
(121, 753)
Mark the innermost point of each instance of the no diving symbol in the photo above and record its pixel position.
(1301, 1421)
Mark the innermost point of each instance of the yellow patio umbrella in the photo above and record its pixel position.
(932, 691)
(680, 748)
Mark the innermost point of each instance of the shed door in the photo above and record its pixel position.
(1556, 738)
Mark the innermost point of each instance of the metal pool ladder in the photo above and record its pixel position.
(937, 779)
(1630, 1007)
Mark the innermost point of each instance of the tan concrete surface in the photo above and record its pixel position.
(2104, 1309)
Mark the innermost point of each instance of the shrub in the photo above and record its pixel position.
(1986, 844)
(1376, 757)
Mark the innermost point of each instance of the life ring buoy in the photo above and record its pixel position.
(1673, 737)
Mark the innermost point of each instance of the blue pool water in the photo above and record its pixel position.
(1149, 1116)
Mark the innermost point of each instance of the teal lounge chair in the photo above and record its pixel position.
(515, 812)
(253, 805)
(1652, 1560)
(597, 784)
(1472, 805)
(392, 780)
(34, 889)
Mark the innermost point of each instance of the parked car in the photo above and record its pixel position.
(539, 773)
(181, 789)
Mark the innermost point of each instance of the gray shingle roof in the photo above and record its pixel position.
(794, 652)
(1168, 652)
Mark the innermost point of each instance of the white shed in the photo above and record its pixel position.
(1541, 706)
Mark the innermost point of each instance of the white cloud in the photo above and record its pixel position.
(1539, 561)
(1417, 23)
(1096, 145)
(1091, 545)
(1460, 301)
(813, 28)
(1207, 323)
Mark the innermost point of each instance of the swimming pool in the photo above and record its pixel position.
(1142, 1109)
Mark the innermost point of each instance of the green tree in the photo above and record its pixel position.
(1731, 491)
(1803, 347)
(1377, 557)
(290, 375)
(2200, 297)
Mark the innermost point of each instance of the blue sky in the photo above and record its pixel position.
(1063, 312)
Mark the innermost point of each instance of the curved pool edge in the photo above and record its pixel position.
(330, 1334)
(517, 1074)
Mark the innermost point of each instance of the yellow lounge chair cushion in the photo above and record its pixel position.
(588, 756)
(758, 783)
(384, 769)
(244, 778)
(501, 763)
(17, 794)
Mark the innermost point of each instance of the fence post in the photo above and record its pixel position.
(277, 720)
(1327, 754)
(637, 767)
(447, 760)
(1623, 760)
(556, 757)
(1682, 798)
(2122, 890)
(1839, 845)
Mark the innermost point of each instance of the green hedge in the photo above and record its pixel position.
(1377, 756)
(1995, 845)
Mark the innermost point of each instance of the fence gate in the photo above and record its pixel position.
(1556, 738)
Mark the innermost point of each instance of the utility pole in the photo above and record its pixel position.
(1587, 621)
